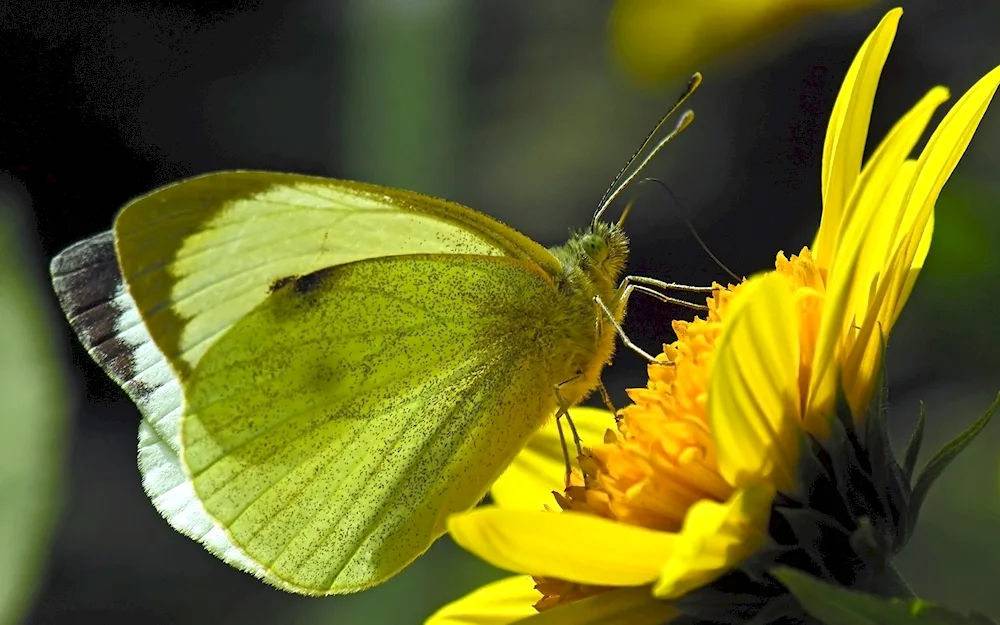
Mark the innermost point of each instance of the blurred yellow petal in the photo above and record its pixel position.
(500, 603)
(715, 538)
(656, 40)
(847, 132)
(622, 606)
(753, 394)
(572, 546)
(539, 469)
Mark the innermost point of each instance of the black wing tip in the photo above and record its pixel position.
(96, 250)
(85, 275)
(88, 283)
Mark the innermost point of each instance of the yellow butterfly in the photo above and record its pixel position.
(328, 369)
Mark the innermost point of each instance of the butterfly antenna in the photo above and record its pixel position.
(697, 237)
(618, 184)
(626, 211)
(687, 222)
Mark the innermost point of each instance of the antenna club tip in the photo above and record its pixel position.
(694, 81)
(684, 121)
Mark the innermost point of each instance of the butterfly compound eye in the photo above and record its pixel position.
(595, 247)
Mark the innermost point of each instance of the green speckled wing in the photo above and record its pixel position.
(333, 429)
(187, 262)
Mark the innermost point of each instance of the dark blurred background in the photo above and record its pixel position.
(517, 109)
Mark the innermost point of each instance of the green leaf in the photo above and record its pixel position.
(835, 605)
(913, 447)
(32, 423)
(936, 466)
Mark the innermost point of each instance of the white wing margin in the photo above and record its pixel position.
(89, 287)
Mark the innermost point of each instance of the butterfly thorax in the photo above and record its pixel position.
(592, 263)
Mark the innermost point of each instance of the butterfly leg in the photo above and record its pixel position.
(668, 286)
(565, 450)
(621, 332)
(649, 286)
(640, 284)
(563, 411)
(606, 397)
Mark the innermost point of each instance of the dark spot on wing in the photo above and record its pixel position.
(310, 282)
(281, 283)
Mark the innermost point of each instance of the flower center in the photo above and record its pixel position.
(809, 283)
(663, 458)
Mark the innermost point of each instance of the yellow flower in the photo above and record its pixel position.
(703, 462)
(656, 40)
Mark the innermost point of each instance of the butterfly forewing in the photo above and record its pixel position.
(186, 263)
(200, 254)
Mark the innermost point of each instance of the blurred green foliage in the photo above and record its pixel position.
(834, 605)
(962, 276)
(952, 342)
(33, 405)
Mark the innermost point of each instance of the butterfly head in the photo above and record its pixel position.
(600, 252)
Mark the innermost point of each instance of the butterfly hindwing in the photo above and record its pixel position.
(389, 394)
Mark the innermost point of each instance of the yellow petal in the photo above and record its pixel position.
(753, 394)
(573, 546)
(923, 247)
(859, 370)
(500, 603)
(715, 538)
(935, 165)
(873, 194)
(861, 367)
(896, 203)
(847, 132)
(539, 468)
(878, 203)
(622, 606)
(835, 321)
(911, 241)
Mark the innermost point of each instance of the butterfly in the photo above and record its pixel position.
(326, 369)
